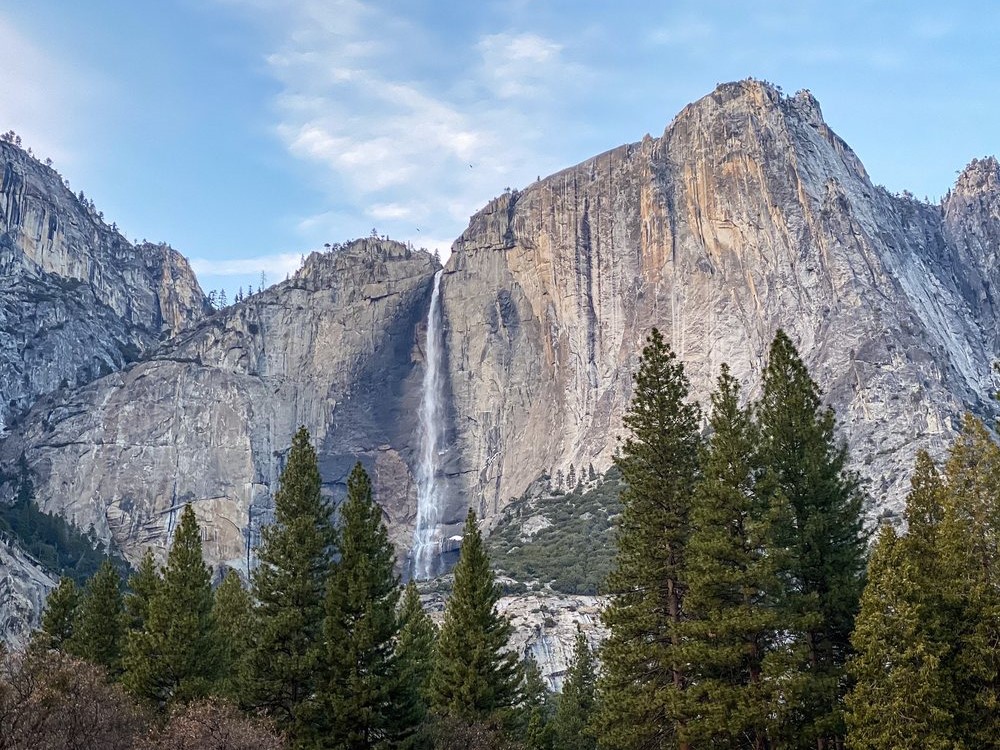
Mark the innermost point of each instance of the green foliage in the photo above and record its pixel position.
(474, 680)
(643, 675)
(232, 613)
(99, 627)
(535, 708)
(175, 657)
(573, 554)
(969, 543)
(820, 542)
(54, 543)
(575, 705)
(289, 585)
(415, 659)
(901, 690)
(360, 627)
(731, 622)
(142, 587)
(60, 613)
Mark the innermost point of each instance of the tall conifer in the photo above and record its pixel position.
(475, 679)
(415, 660)
(970, 540)
(575, 704)
(175, 657)
(643, 676)
(289, 586)
(901, 696)
(232, 611)
(142, 586)
(732, 584)
(98, 630)
(60, 613)
(823, 548)
(360, 627)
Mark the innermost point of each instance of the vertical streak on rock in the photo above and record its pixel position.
(426, 537)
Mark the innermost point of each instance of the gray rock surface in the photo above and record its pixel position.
(209, 416)
(77, 300)
(747, 215)
(24, 584)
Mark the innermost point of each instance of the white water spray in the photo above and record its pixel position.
(427, 536)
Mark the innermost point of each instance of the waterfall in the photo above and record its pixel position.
(427, 535)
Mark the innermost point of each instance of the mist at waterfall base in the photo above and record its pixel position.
(430, 554)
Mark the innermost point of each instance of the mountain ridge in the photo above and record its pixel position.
(747, 214)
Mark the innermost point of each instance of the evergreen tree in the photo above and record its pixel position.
(60, 613)
(643, 676)
(731, 585)
(360, 627)
(901, 691)
(575, 705)
(289, 585)
(536, 708)
(970, 539)
(415, 659)
(142, 587)
(175, 656)
(822, 549)
(475, 680)
(232, 612)
(99, 626)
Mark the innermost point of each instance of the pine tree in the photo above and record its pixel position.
(99, 626)
(901, 690)
(289, 585)
(475, 680)
(535, 708)
(60, 613)
(142, 587)
(575, 705)
(822, 548)
(175, 657)
(360, 627)
(643, 676)
(415, 659)
(232, 612)
(731, 585)
(970, 538)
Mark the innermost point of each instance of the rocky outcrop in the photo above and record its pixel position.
(209, 416)
(77, 300)
(747, 214)
(24, 584)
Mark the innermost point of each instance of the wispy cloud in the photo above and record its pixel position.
(38, 94)
(416, 154)
(275, 267)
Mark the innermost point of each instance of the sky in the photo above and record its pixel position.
(247, 133)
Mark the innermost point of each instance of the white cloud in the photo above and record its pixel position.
(41, 98)
(521, 64)
(415, 154)
(274, 266)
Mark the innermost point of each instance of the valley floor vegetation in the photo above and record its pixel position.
(743, 610)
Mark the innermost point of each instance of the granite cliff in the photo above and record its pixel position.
(747, 214)
(77, 300)
(209, 415)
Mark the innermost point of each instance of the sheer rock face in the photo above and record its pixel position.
(24, 585)
(747, 215)
(209, 416)
(77, 300)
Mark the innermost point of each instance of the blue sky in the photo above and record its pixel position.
(247, 132)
